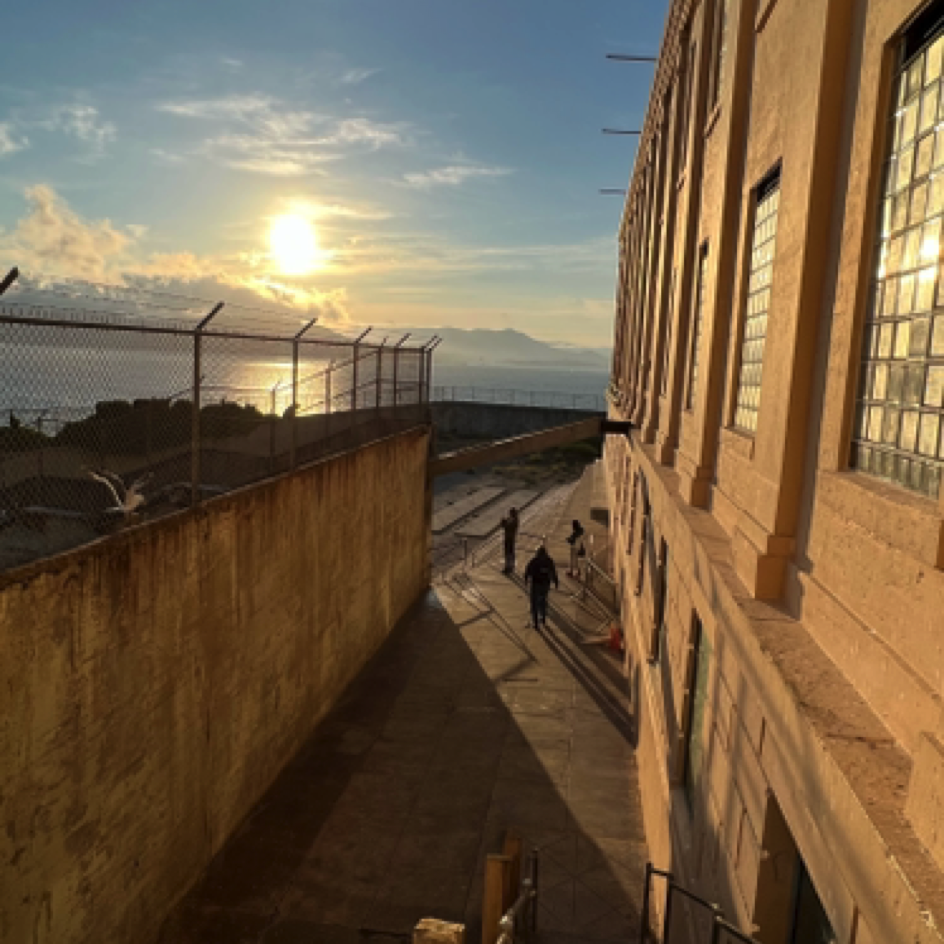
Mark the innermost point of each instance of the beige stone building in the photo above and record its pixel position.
(777, 515)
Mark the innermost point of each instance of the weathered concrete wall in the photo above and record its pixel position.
(498, 420)
(153, 685)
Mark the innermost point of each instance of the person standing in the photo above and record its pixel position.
(574, 541)
(509, 525)
(539, 575)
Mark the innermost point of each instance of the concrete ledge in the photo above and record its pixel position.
(925, 806)
(518, 446)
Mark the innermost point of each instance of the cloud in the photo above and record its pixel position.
(10, 140)
(356, 76)
(264, 135)
(52, 238)
(79, 121)
(52, 243)
(82, 122)
(167, 157)
(452, 176)
(433, 256)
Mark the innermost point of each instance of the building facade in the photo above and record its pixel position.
(777, 516)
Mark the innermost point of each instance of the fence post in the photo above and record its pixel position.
(495, 898)
(380, 373)
(296, 343)
(148, 431)
(716, 927)
(512, 849)
(195, 441)
(396, 370)
(293, 412)
(667, 918)
(534, 889)
(429, 365)
(328, 388)
(357, 355)
(273, 393)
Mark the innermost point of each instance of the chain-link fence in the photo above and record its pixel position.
(108, 420)
(589, 402)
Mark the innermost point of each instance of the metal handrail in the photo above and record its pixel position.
(526, 906)
(719, 923)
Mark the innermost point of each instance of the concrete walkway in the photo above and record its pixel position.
(465, 724)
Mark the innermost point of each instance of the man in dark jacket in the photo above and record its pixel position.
(509, 525)
(539, 575)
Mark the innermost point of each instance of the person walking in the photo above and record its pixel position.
(574, 541)
(509, 525)
(539, 575)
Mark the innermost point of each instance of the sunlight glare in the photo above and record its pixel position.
(294, 245)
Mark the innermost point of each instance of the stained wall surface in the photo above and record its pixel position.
(154, 684)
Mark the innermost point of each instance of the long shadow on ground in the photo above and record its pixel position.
(453, 733)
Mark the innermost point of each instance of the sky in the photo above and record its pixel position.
(439, 161)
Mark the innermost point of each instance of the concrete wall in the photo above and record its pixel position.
(152, 685)
(499, 421)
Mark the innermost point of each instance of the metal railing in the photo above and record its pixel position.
(510, 898)
(587, 402)
(110, 418)
(520, 921)
(707, 925)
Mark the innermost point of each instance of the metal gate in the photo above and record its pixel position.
(687, 918)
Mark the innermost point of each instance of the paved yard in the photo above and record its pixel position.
(465, 724)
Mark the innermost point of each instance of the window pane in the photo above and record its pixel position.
(698, 315)
(900, 403)
(755, 322)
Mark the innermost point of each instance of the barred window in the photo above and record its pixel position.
(758, 303)
(897, 432)
(702, 276)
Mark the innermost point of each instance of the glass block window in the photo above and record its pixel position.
(664, 383)
(763, 243)
(697, 315)
(900, 404)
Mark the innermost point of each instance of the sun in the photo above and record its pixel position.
(294, 245)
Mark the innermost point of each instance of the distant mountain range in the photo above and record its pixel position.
(509, 348)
